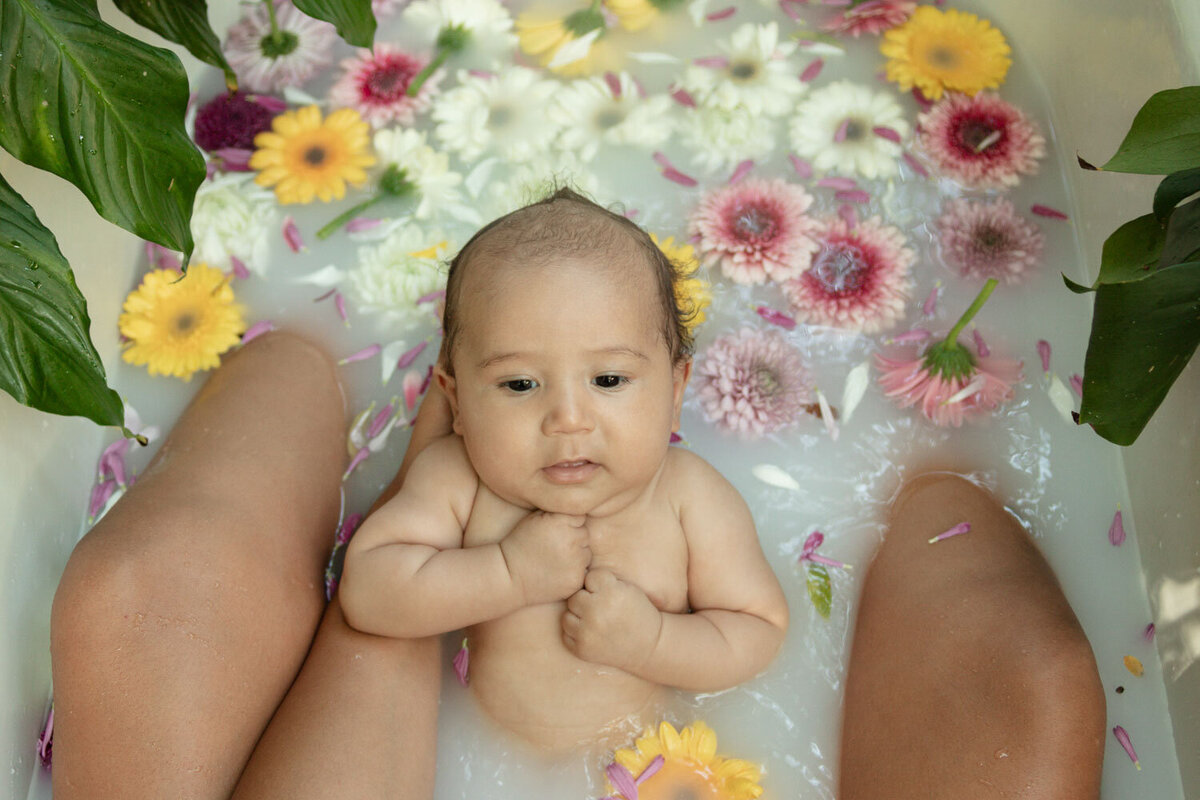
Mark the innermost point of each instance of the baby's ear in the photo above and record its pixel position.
(449, 387)
(682, 372)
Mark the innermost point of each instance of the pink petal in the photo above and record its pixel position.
(359, 224)
(848, 215)
(683, 98)
(45, 741)
(234, 159)
(980, 345)
(814, 540)
(481, 73)
(915, 335)
(1116, 531)
(837, 2)
(437, 294)
(841, 184)
(716, 62)
(812, 70)
(886, 133)
(1123, 739)
(339, 303)
(929, 307)
(675, 175)
(917, 166)
(370, 351)
(272, 104)
(412, 388)
(842, 131)
(791, 12)
(328, 294)
(741, 170)
(1047, 211)
(257, 329)
(380, 420)
(621, 780)
(160, 257)
(291, 234)
(1077, 384)
(1148, 634)
(239, 269)
(614, 84)
(652, 768)
(101, 493)
(1043, 348)
(776, 317)
(924, 102)
(410, 355)
(428, 379)
(630, 213)
(638, 83)
(802, 167)
(359, 457)
(675, 438)
(118, 448)
(661, 159)
(852, 196)
(724, 13)
(462, 663)
(960, 528)
(348, 527)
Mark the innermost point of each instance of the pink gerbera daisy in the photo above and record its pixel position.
(756, 229)
(753, 382)
(873, 16)
(947, 381)
(981, 141)
(989, 240)
(376, 84)
(273, 47)
(858, 278)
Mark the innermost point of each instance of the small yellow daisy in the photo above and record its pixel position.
(633, 15)
(693, 294)
(177, 326)
(691, 766)
(304, 157)
(551, 40)
(946, 50)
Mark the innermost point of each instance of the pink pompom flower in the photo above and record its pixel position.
(753, 382)
(756, 229)
(873, 17)
(858, 278)
(982, 141)
(947, 382)
(376, 85)
(989, 240)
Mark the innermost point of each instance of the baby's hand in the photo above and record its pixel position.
(547, 556)
(610, 621)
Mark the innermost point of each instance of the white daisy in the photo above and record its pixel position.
(503, 113)
(720, 138)
(590, 115)
(426, 169)
(391, 276)
(487, 22)
(849, 128)
(530, 181)
(233, 216)
(266, 64)
(755, 74)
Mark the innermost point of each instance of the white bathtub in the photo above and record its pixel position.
(1099, 60)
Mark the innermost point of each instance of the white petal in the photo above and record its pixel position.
(697, 10)
(299, 97)
(1061, 397)
(827, 415)
(653, 58)
(389, 356)
(856, 386)
(326, 276)
(574, 50)
(480, 175)
(774, 476)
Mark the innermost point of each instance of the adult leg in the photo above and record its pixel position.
(969, 674)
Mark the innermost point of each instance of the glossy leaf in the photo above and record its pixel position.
(1143, 333)
(184, 22)
(1182, 241)
(102, 110)
(47, 360)
(820, 589)
(1128, 253)
(354, 20)
(1164, 136)
(1175, 187)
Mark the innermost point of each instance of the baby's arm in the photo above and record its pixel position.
(407, 574)
(739, 613)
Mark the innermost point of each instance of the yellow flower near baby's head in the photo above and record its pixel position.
(691, 766)
(564, 45)
(937, 51)
(633, 15)
(177, 326)
(304, 157)
(693, 294)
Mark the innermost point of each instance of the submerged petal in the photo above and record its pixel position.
(775, 476)
(1116, 531)
(958, 529)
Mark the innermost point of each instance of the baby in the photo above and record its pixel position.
(593, 563)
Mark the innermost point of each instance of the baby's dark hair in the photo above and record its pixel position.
(565, 221)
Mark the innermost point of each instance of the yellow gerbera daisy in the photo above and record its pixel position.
(565, 45)
(693, 294)
(691, 766)
(633, 15)
(177, 326)
(303, 156)
(939, 50)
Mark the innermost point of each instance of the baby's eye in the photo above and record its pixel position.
(519, 385)
(610, 381)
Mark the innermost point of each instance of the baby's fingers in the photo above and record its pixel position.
(597, 580)
(577, 605)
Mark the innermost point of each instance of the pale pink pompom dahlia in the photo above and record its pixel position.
(753, 382)
(982, 142)
(873, 17)
(989, 240)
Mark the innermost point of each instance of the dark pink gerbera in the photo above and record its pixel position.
(756, 229)
(753, 382)
(989, 240)
(858, 278)
(376, 84)
(231, 121)
(981, 141)
(874, 17)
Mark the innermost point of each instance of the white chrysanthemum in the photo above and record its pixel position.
(393, 275)
(756, 74)
(720, 138)
(488, 22)
(503, 113)
(428, 170)
(233, 216)
(524, 183)
(247, 46)
(590, 115)
(836, 128)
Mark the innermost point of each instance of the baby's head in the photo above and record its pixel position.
(565, 355)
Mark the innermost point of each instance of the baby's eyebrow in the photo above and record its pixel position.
(620, 350)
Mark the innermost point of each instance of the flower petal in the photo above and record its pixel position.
(917, 166)
(1116, 531)
(884, 132)
(980, 345)
(1047, 211)
(813, 69)
(852, 196)
(803, 168)
(741, 170)
(958, 529)
(857, 381)
(834, 182)
(1134, 665)
(360, 224)
(326, 276)
(412, 388)
(462, 663)
(653, 58)
(682, 97)
(1076, 383)
(929, 307)
(1061, 397)
(848, 215)
(257, 329)
(1043, 349)
(775, 476)
(291, 234)
(45, 740)
(370, 351)
(724, 13)
(359, 457)
(776, 317)
(827, 415)
(339, 302)
(238, 268)
(622, 781)
(1127, 745)
(915, 335)
(1148, 634)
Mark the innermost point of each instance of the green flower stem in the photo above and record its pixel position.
(341, 219)
(450, 39)
(418, 81)
(972, 310)
(275, 35)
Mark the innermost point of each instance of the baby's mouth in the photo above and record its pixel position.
(570, 470)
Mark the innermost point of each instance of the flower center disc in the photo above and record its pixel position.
(942, 56)
(499, 116)
(974, 133)
(609, 118)
(990, 241)
(753, 222)
(185, 322)
(839, 269)
(390, 81)
(855, 130)
(315, 155)
(681, 779)
(743, 70)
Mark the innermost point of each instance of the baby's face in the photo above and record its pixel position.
(564, 391)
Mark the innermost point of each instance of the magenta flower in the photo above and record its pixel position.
(858, 278)
(376, 84)
(873, 17)
(753, 382)
(947, 381)
(981, 141)
(231, 121)
(756, 229)
(989, 240)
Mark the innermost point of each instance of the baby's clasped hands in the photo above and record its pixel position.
(547, 555)
(611, 621)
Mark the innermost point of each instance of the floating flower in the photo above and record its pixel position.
(872, 17)
(562, 44)
(176, 325)
(721, 138)
(756, 229)
(375, 83)
(275, 46)
(693, 294)
(690, 766)
(595, 111)
(1127, 745)
(634, 15)
(504, 114)
(753, 382)
(957, 530)
(858, 279)
(982, 142)
(1116, 531)
(231, 121)
(755, 74)
(232, 220)
(835, 127)
(453, 25)
(989, 240)
(529, 181)
(304, 157)
(948, 382)
(938, 50)
(393, 275)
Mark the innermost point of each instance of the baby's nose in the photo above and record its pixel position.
(568, 411)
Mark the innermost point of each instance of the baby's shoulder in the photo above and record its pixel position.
(444, 467)
(688, 475)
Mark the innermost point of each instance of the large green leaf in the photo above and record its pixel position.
(1173, 188)
(1164, 137)
(47, 360)
(104, 111)
(1143, 333)
(1183, 235)
(184, 22)
(354, 20)
(1129, 253)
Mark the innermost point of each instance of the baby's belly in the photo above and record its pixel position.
(526, 679)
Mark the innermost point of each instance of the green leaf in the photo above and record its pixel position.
(47, 360)
(184, 22)
(1175, 187)
(1129, 254)
(820, 590)
(1143, 333)
(354, 20)
(102, 110)
(1164, 137)
(1183, 235)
